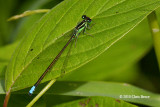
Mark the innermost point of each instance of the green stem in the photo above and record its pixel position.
(41, 93)
(152, 19)
(6, 99)
(28, 13)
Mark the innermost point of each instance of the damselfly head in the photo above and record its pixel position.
(87, 19)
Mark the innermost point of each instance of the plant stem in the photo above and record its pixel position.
(6, 99)
(28, 13)
(153, 23)
(41, 93)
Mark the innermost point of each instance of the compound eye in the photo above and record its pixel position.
(89, 20)
(84, 16)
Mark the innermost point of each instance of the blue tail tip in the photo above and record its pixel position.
(31, 90)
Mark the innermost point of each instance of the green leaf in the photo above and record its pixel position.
(109, 89)
(96, 102)
(7, 51)
(45, 39)
(5, 55)
(97, 88)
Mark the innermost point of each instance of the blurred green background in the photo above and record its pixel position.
(132, 59)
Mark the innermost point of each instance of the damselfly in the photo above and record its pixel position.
(81, 27)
